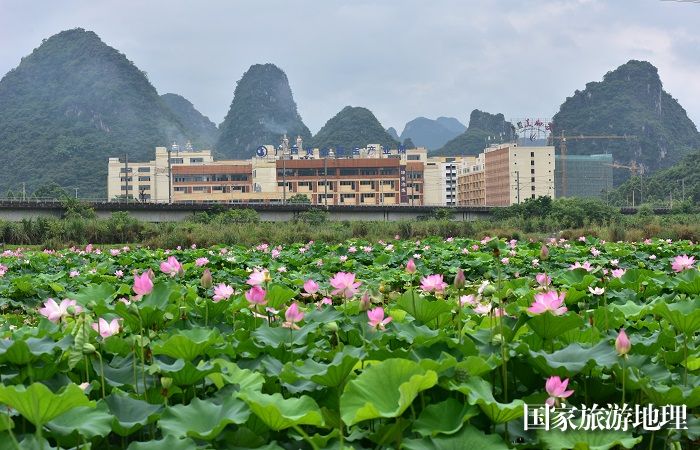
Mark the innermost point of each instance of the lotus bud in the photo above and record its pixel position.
(331, 326)
(460, 279)
(268, 278)
(166, 382)
(622, 343)
(206, 281)
(88, 348)
(544, 252)
(365, 301)
(411, 266)
(151, 274)
(489, 290)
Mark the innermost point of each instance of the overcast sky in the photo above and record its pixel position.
(399, 58)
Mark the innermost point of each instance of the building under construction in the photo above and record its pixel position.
(587, 175)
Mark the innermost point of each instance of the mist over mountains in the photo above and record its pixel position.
(75, 101)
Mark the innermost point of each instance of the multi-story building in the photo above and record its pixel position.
(371, 176)
(586, 175)
(470, 182)
(506, 174)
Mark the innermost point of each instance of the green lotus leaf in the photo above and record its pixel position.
(279, 337)
(573, 358)
(334, 373)
(689, 282)
(446, 417)
(170, 442)
(549, 326)
(187, 344)
(22, 352)
(230, 373)
(6, 422)
(39, 405)
(101, 294)
(420, 308)
(279, 413)
(86, 421)
(590, 440)
(468, 438)
(202, 419)
(384, 389)
(129, 414)
(479, 392)
(279, 296)
(683, 315)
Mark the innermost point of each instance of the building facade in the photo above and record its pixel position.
(506, 174)
(371, 176)
(586, 176)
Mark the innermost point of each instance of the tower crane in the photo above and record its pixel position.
(563, 151)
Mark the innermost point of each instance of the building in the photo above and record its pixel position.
(586, 175)
(470, 182)
(505, 174)
(369, 176)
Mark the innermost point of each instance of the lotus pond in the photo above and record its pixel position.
(432, 344)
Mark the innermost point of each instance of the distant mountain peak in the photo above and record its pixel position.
(199, 129)
(262, 110)
(353, 126)
(482, 125)
(431, 134)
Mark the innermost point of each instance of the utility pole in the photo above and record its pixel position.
(517, 181)
(170, 176)
(24, 192)
(126, 176)
(76, 193)
(284, 178)
(325, 181)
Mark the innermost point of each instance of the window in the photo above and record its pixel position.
(125, 169)
(177, 160)
(144, 169)
(144, 178)
(144, 187)
(532, 180)
(199, 188)
(532, 171)
(124, 179)
(413, 157)
(532, 188)
(532, 162)
(532, 196)
(196, 160)
(532, 154)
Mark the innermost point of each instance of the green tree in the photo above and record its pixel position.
(299, 198)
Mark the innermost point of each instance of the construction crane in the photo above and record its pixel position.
(562, 150)
(634, 169)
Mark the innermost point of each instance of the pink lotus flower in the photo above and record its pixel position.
(143, 284)
(505, 260)
(344, 284)
(365, 301)
(411, 266)
(577, 265)
(199, 262)
(275, 253)
(118, 273)
(73, 273)
(326, 301)
(548, 301)
(84, 386)
(556, 388)
(544, 252)
(257, 277)
(256, 296)
(114, 252)
(617, 273)
(222, 292)
(55, 312)
(352, 249)
(293, 315)
(482, 308)
(310, 286)
(467, 300)
(683, 262)
(432, 283)
(622, 343)
(343, 258)
(376, 318)
(171, 266)
(543, 279)
(106, 329)
(596, 290)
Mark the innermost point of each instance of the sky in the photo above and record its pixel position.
(400, 58)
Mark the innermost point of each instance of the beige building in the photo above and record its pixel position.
(506, 174)
(371, 176)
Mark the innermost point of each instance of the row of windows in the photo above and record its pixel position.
(361, 171)
(226, 177)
